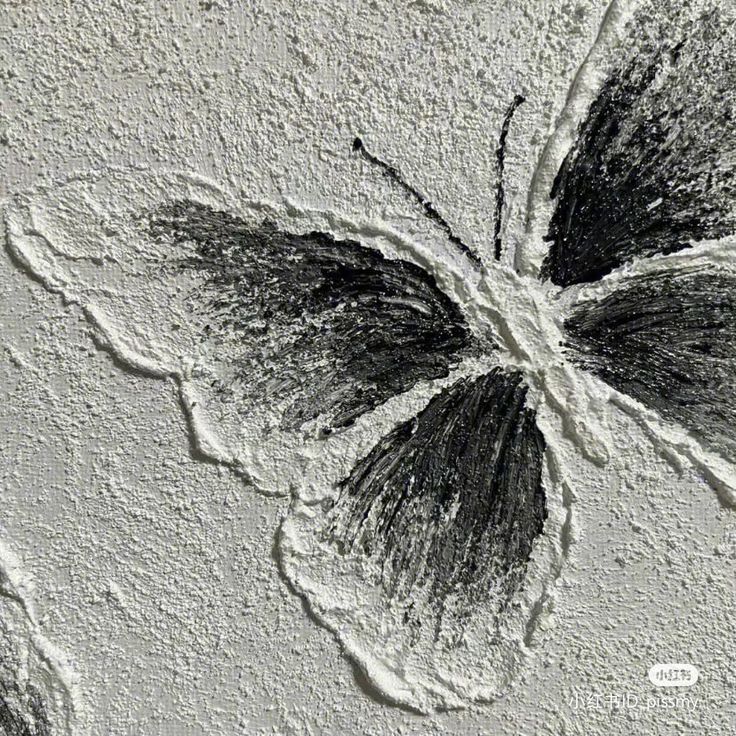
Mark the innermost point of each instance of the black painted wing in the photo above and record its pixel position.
(450, 502)
(328, 328)
(434, 562)
(668, 339)
(651, 174)
(652, 169)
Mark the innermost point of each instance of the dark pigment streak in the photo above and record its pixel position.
(329, 327)
(451, 500)
(22, 712)
(500, 160)
(668, 340)
(652, 170)
(429, 209)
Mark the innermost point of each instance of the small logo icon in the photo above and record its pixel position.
(673, 675)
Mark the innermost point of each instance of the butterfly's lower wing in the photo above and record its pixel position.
(276, 338)
(650, 168)
(434, 559)
(663, 335)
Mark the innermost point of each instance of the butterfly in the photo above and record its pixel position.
(423, 414)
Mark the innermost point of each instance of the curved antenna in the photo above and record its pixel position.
(429, 209)
(500, 194)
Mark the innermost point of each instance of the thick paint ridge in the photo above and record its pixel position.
(39, 694)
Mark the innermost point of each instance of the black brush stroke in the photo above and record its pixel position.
(652, 169)
(452, 500)
(429, 209)
(22, 712)
(330, 327)
(669, 340)
(500, 161)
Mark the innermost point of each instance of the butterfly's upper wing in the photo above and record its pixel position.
(276, 337)
(651, 170)
(642, 232)
(329, 328)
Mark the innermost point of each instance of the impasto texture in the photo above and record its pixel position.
(447, 479)
(671, 330)
(22, 713)
(452, 500)
(651, 171)
(339, 327)
(35, 696)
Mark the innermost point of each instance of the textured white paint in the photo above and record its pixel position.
(154, 567)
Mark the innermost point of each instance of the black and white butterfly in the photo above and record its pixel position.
(420, 412)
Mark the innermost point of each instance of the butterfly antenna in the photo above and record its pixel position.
(429, 209)
(500, 194)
